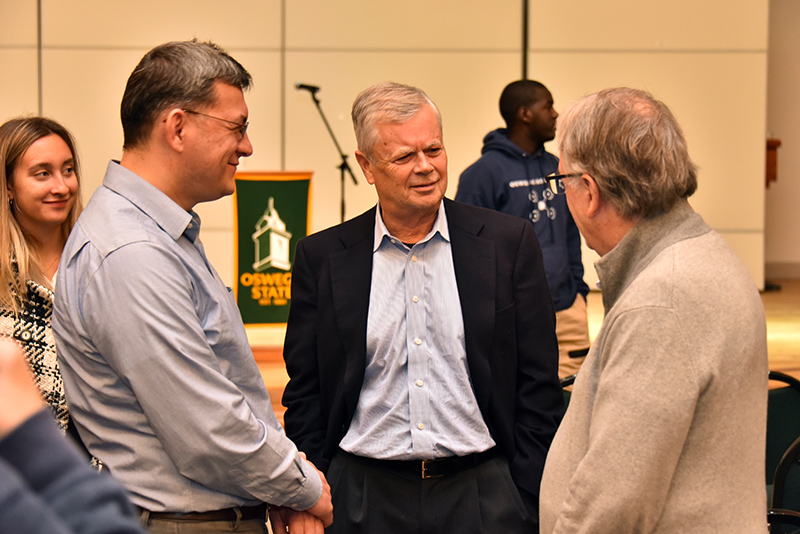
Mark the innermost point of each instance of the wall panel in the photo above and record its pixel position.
(146, 23)
(413, 25)
(18, 23)
(783, 117)
(18, 59)
(19, 91)
(726, 146)
(630, 25)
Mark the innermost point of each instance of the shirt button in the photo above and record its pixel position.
(393, 241)
(413, 258)
(421, 426)
(419, 383)
(417, 341)
(415, 299)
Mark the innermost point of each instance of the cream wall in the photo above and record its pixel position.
(18, 58)
(782, 252)
(699, 57)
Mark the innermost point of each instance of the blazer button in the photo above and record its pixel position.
(25, 335)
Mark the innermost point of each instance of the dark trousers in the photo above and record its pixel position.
(371, 500)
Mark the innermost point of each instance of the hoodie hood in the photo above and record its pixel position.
(497, 140)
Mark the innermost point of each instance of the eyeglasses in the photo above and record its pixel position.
(556, 181)
(240, 127)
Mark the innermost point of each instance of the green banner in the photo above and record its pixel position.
(271, 213)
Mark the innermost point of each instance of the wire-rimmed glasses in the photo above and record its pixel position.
(241, 128)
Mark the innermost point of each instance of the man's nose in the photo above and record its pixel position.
(424, 164)
(245, 148)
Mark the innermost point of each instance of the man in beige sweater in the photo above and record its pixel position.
(666, 426)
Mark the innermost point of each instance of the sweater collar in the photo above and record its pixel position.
(617, 269)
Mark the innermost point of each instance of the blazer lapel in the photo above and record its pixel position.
(474, 263)
(351, 274)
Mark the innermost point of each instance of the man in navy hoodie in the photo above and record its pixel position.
(510, 177)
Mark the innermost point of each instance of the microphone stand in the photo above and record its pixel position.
(344, 167)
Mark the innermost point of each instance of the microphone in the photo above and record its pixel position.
(310, 88)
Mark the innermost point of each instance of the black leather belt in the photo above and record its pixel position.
(432, 468)
(241, 513)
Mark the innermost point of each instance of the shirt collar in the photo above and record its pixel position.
(173, 219)
(439, 226)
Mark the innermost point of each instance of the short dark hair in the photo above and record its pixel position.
(176, 74)
(516, 95)
(633, 147)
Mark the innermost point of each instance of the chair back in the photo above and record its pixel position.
(783, 420)
(783, 522)
(786, 485)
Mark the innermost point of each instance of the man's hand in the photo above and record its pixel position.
(311, 521)
(323, 509)
(294, 522)
(19, 395)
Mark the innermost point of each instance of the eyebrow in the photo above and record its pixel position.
(401, 153)
(405, 150)
(48, 164)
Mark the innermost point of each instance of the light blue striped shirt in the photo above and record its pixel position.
(417, 400)
(158, 372)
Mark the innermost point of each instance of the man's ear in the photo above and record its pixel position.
(174, 124)
(366, 166)
(523, 115)
(594, 202)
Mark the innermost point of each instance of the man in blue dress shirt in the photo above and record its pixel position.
(157, 368)
(420, 344)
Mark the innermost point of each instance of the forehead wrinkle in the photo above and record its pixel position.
(408, 149)
(386, 134)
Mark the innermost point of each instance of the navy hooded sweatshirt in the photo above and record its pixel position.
(507, 179)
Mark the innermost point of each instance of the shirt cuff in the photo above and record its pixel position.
(310, 491)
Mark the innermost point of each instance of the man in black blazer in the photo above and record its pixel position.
(421, 345)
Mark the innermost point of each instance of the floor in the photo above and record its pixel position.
(783, 337)
(783, 327)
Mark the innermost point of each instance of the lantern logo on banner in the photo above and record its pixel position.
(265, 239)
(272, 241)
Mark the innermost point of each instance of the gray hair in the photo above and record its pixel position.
(633, 147)
(386, 102)
(178, 74)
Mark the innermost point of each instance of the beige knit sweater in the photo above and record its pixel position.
(665, 431)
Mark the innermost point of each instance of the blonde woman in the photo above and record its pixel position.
(39, 204)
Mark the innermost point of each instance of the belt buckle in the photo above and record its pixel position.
(425, 475)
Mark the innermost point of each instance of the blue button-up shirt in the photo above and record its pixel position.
(158, 371)
(417, 400)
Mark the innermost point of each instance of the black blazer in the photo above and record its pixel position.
(509, 326)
